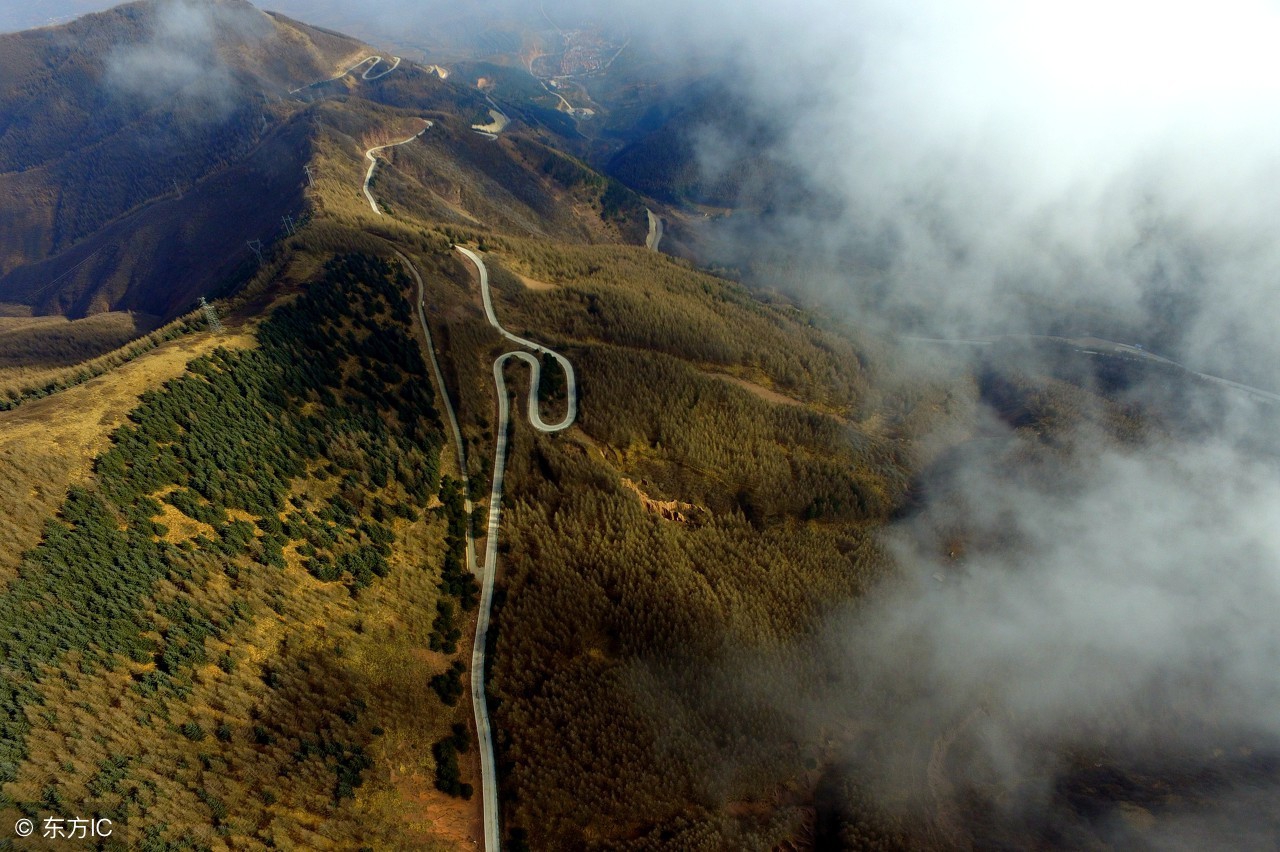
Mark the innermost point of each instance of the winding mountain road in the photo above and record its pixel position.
(488, 770)
(1107, 348)
(484, 730)
(373, 162)
(497, 125)
(376, 60)
(379, 76)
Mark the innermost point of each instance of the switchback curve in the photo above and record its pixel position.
(484, 732)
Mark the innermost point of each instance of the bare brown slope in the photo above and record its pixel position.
(109, 117)
(161, 258)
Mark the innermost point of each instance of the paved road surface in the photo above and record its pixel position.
(484, 731)
(1098, 346)
(380, 75)
(493, 128)
(459, 447)
(487, 772)
(655, 230)
(489, 779)
(376, 60)
(373, 162)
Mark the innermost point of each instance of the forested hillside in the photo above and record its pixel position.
(702, 145)
(692, 522)
(670, 564)
(145, 156)
(220, 638)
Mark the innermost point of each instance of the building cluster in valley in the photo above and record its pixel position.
(585, 52)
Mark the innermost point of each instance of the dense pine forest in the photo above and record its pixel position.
(650, 613)
(265, 489)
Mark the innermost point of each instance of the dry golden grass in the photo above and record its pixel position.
(331, 646)
(18, 382)
(180, 527)
(767, 394)
(55, 341)
(49, 444)
(23, 322)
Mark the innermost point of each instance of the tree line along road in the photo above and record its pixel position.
(487, 572)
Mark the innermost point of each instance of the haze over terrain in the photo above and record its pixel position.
(972, 170)
(983, 165)
(980, 159)
(1119, 156)
(993, 167)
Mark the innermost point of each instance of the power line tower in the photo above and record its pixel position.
(288, 224)
(211, 316)
(311, 178)
(255, 246)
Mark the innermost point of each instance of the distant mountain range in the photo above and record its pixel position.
(145, 148)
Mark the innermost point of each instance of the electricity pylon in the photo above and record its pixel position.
(211, 316)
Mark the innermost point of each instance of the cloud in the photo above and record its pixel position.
(180, 63)
(1126, 608)
(1114, 154)
(999, 166)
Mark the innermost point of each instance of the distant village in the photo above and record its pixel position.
(586, 52)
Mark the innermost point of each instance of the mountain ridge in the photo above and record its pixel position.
(88, 172)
